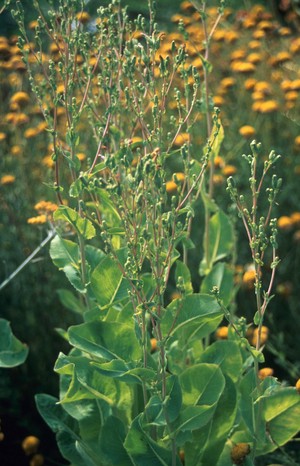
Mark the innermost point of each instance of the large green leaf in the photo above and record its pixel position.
(106, 340)
(208, 442)
(198, 314)
(143, 450)
(82, 225)
(281, 412)
(112, 443)
(221, 276)
(12, 351)
(227, 355)
(201, 385)
(108, 283)
(220, 241)
(86, 382)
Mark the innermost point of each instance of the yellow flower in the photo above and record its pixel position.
(38, 220)
(295, 218)
(83, 17)
(285, 223)
(256, 95)
(239, 452)
(291, 95)
(249, 278)
(7, 179)
(259, 34)
(254, 44)
(181, 139)
(265, 26)
(250, 83)
(222, 333)
(229, 170)
(179, 177)
(297, 141)
(231, 36)
(20, 98)
(298, 385)
(171, 187)
(45, 206)
(219, 35)
(218, 180)
(30, 444)
(263, 86)
(265, 372)
(31, 133)
(153, 343)
(218, 100)
(238, 54)
(2, 137)
(228, 82)
(242, 67)
(295, 85)
(284, 31)
(269, 106)
(247, 131)
(295, 46)
(254, 58)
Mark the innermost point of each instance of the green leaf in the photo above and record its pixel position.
(64, 252)
(112, 442)
(106, 340)
(199, 314)
(121, 370)
(226, 355)
(70, 301)
(65, 255)
(208, 442)
(220, 244)
(108, 284)
(183, 271)
(281, 412)
(201, 385)
(83, 226)
(143, 450)
(221, 276)
(12, 351)
(86, 382)
(108, 208)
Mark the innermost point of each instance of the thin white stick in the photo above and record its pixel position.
(51, 235)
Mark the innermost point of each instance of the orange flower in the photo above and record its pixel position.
(222, 333)
(7, 179)
(38, 220)
(83, 17)
(171, 187)
(269, 106)
(298, 385)
(284, 223)
(265, 372)
(20, 98)
(30, 444)
(247, 131)
(239, 452)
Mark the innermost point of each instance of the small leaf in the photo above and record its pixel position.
(12, 351)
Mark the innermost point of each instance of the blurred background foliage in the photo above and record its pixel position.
(30, 302)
